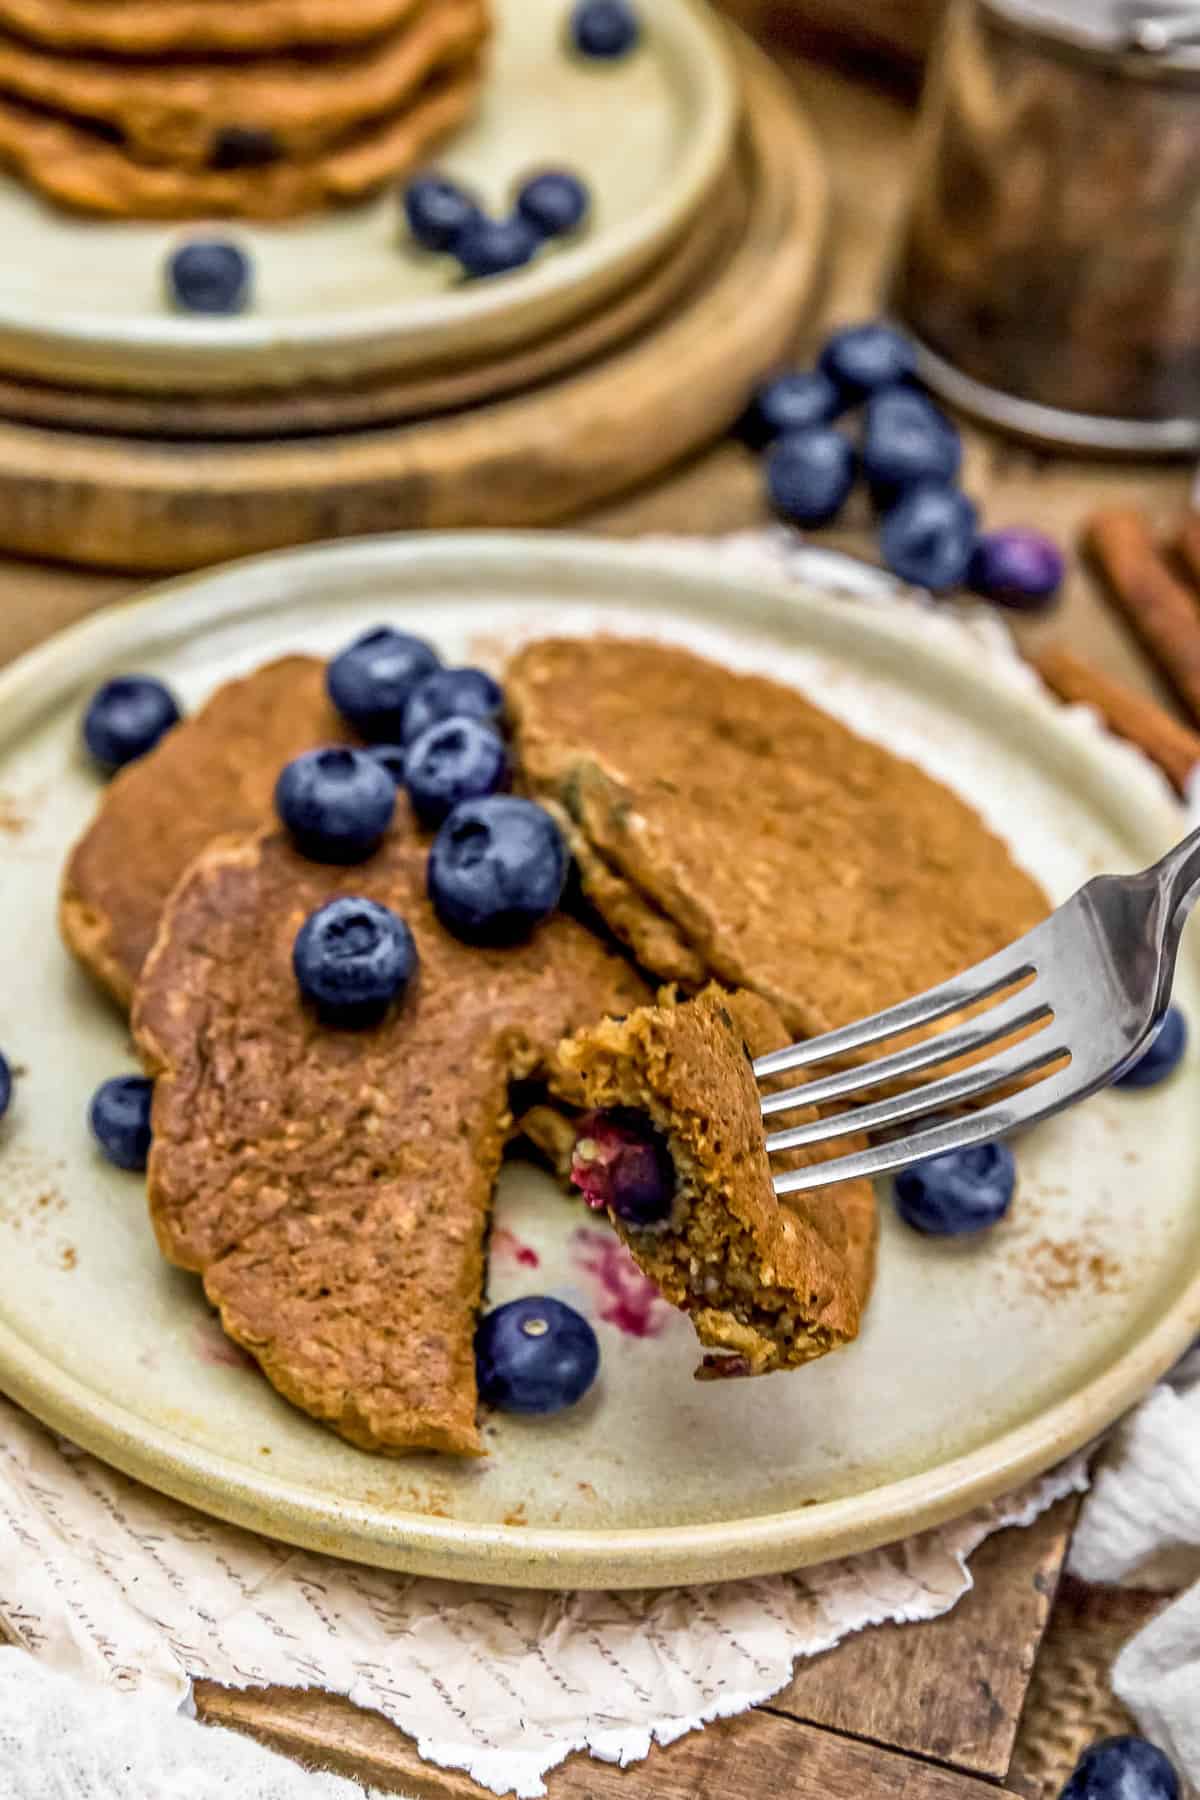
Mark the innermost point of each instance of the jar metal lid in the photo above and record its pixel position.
(1163, 31)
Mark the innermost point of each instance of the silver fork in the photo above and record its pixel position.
(1095, 978)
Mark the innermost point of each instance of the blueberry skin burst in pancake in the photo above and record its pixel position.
(726, 827)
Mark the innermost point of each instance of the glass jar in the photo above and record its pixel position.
(1050, 268)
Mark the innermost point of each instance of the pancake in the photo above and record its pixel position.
(725, 826)
(209, 114)
(333, 1188)
(767, 1284)
(212, 774)
(188, 27)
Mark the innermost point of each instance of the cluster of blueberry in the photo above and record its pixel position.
(909, 454)
(444, 217)
(216, 276)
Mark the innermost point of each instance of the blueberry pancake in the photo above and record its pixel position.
(218, 114)
(726, 827)
(333, 1186)
(670, 1145)
(192, 27)
(214, 773)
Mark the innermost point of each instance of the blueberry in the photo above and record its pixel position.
(370, 682)
(906, 441)
(555, 203)
(244, 147)
(451, 693)
(962, 1191)
(928, 536)
(496, 246)
(390, 757)
(621, 1165)
(352, 958)
(535, 1356)
(497, 868)
(1122, 1768)
(6, 1085)
(1018, 568)
(789, 403)
(1163, 1055)
(604, 28)
(336, 803)
(438, 211)
(126, 717)
(864, 358)
(120, 1120)
(455, 760)
(809, 475)
(209, 275)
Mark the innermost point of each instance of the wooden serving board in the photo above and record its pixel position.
(533, 459)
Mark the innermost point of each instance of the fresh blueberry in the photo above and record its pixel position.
(352, 958)
(862, 359)
(390, 757)
(555, 203)
(455, 760)
(126, 717)
(1018, 568)
(788, 403)
(497, 868)
(928, 536)
(451, 693)
(604, 28)
(438, 211)
(6, 1085)
(1122, 1768)
(621, 1165)
(496, 246)
(120, 1120)
(209, 275)
(336, 803)
(809, 475)
(962, 1191)
(906, 441)
(535, 1356)
(1163, 1055)
(370, 682)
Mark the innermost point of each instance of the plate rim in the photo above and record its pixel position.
(551, 1557)
(194, 352)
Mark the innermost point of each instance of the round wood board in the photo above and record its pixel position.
(343, 295)
(981, 1361)
(120, 502)
(388, 400)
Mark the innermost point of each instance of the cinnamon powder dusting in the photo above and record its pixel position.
(12, 820)
(1053, 1268)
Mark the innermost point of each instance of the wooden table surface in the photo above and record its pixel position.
(930, 1712)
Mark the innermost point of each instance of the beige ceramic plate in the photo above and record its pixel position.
(340, 296)
(980, 1362)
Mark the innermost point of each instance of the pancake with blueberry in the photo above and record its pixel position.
(670, 1146)
(332, 1098)
(210, 774)
(726, 827)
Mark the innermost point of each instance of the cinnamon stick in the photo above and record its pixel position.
(1163, 612)
(1173, 746)
(1187, 545)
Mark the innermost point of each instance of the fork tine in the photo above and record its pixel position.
(933, 1096)
(989, 977)
(1012, 1015)
(995, 1121)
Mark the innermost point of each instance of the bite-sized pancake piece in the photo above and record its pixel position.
(768, 1284)
(78, 167)
(723, 823)
(333, 1187)
(212, 774)
(191, 114)
(187, 27)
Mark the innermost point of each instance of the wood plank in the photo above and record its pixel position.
(758, 1754)
(951, 1689)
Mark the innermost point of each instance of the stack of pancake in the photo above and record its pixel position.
(263, 109)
